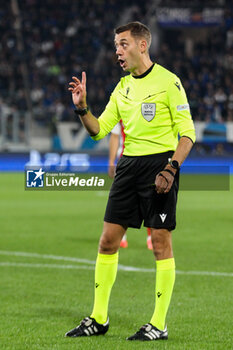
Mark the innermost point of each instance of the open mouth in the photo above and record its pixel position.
(122, 62)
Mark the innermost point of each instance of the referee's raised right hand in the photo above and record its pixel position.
(79, 92)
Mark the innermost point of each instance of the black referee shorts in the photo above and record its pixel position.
(133, 197)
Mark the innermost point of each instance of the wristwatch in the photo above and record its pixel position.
(81, 111)
(174, 164)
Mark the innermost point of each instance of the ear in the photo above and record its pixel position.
(143, 45)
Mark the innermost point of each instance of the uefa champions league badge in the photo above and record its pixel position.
(148, 111)
(35, 178)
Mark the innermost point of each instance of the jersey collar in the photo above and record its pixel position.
(144, 74)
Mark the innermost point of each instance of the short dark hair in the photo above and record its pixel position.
(137, 30)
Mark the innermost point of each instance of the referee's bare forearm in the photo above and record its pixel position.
(184, 147)
(90, 123)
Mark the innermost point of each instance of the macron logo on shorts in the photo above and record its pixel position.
(163, 217)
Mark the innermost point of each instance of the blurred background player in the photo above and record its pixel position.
(116, 148)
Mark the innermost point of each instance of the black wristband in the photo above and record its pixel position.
(170, 172)
(81, 111)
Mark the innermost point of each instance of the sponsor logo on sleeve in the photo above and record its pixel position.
(184, 107)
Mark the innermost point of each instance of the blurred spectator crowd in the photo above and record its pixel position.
(207, 75)
(62, 38)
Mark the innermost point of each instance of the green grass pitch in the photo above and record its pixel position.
(42, 297)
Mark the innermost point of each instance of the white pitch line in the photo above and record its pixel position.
(92, 263)
(120, 267)
(66, 258)
(46, 256)
(50, 266)
(205, 273)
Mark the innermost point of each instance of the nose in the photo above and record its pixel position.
(118, 51)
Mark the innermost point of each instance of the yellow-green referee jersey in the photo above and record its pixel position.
(154, 110)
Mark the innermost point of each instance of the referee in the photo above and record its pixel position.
(153, 106)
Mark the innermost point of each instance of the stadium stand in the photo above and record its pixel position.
(61, 39)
